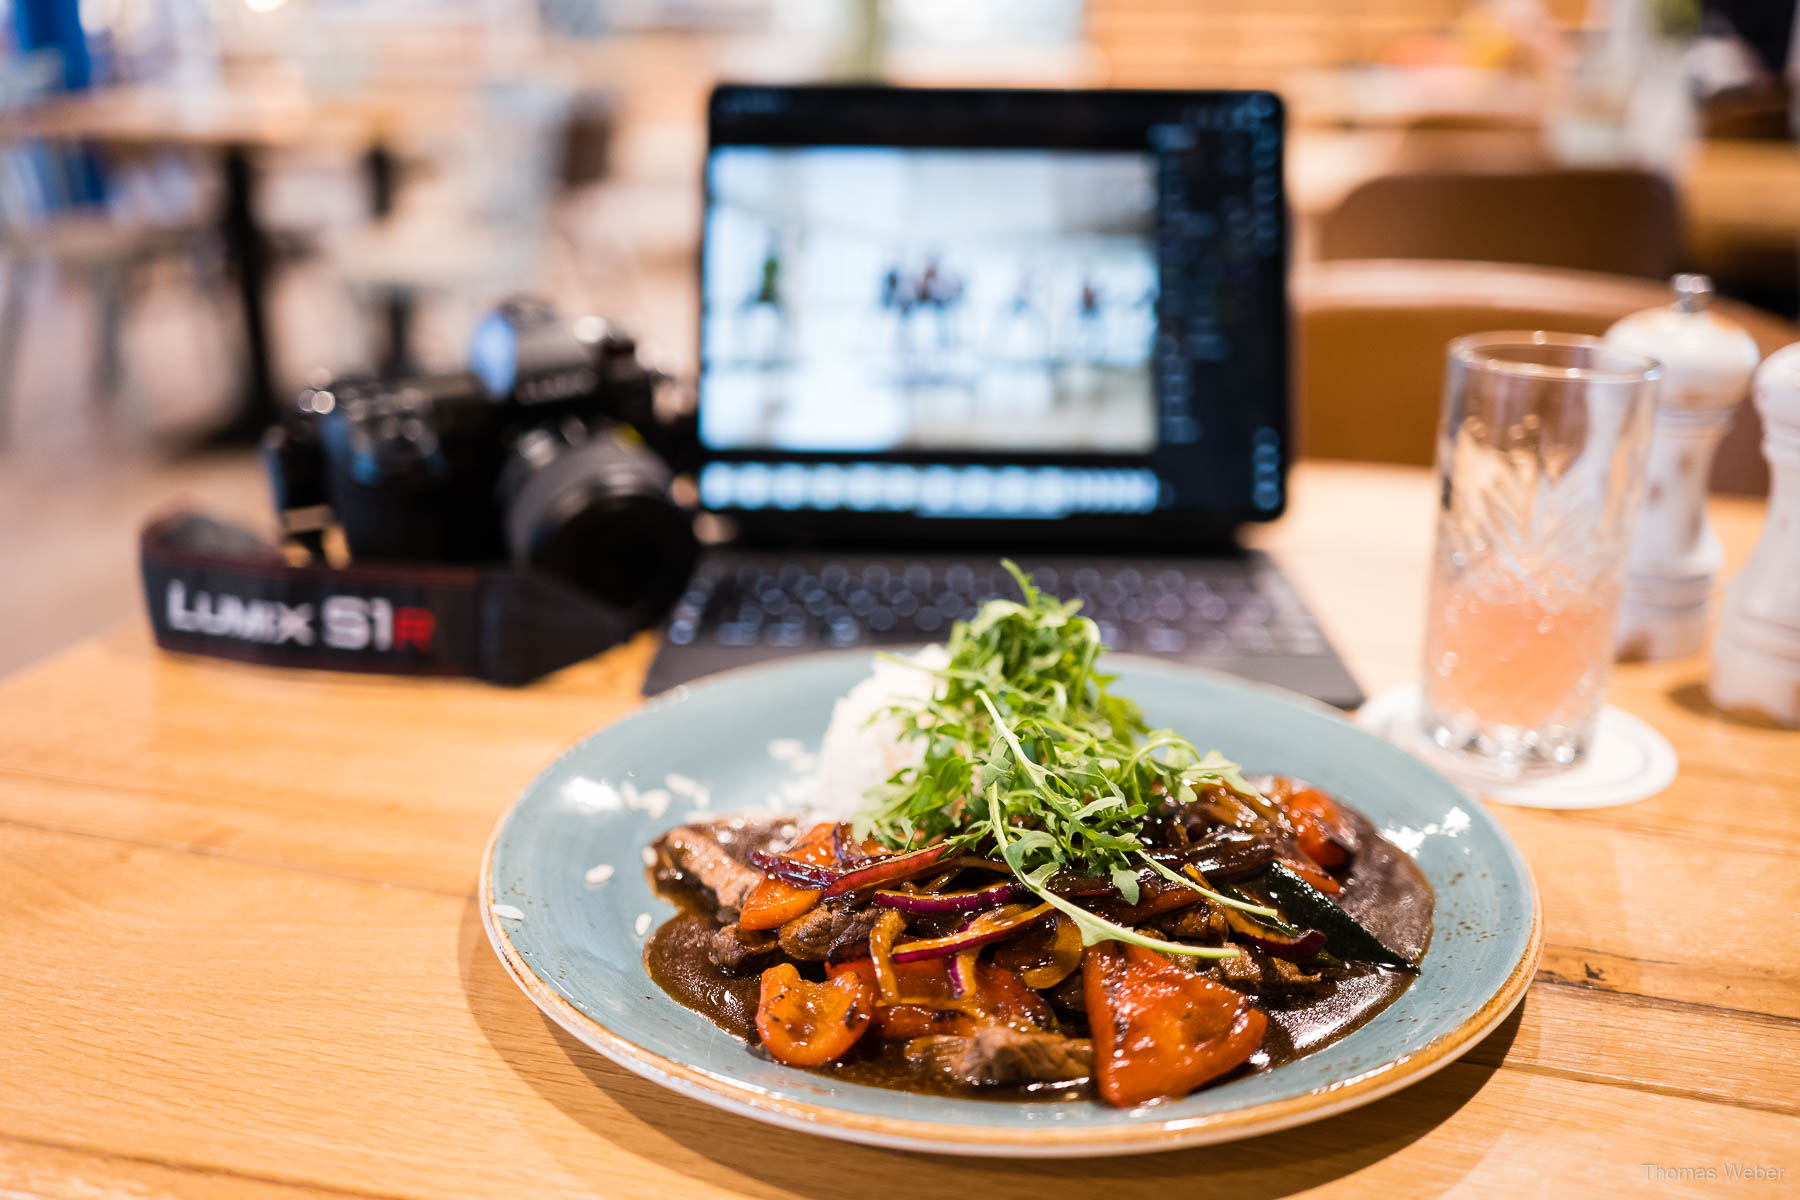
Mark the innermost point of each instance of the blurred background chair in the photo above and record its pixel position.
(64, 221)
(472, 229)
(1372, 335)
(1625, 222)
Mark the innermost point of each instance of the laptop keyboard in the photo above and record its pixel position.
(1224, 608)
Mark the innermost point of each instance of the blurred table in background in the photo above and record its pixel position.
(240, 123)
(237, 114)
(245, 958)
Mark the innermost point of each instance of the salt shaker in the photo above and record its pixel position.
(1707, 365)
(1756, 657)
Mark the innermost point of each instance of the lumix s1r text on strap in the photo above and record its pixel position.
(215, 589)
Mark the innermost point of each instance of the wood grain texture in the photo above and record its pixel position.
(244, 959)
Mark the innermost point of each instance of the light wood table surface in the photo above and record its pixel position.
(243, 957)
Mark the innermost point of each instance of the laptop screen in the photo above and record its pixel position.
(1019, 313)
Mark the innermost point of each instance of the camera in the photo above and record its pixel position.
(548, 451)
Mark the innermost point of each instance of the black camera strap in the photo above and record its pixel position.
(219, 590)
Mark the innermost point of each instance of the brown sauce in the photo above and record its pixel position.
(1384, 889)
(1387, 892)
(678, 960)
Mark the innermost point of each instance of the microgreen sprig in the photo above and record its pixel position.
(1028, 754)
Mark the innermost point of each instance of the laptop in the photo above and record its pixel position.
(943, 327)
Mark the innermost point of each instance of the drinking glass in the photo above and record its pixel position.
(1540, 461)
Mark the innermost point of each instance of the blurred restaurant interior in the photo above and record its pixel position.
(603, 346)
(206, 203)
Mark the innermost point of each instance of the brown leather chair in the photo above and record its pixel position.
(1625, 222)
(1372, 336)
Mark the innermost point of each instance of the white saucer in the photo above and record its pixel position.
(1628, 761)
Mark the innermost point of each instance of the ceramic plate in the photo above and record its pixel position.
(576, 947)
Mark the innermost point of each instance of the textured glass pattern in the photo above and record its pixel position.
(1540, 465)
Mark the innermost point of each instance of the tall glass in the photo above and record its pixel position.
(1540, 464)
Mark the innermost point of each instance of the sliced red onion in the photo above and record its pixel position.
(1283, 941)
(951, 902)
(887, 868)
(806, 875)
(1300, 949)
(979, 932)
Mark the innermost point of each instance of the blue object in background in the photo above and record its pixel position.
(74, 178)
(55, 25)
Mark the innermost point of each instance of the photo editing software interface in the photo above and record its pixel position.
(995, 330)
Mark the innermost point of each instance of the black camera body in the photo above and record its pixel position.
(548, 452)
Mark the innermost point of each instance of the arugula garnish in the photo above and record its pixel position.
(1028, 755)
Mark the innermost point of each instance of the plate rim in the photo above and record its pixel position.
(907, 1133)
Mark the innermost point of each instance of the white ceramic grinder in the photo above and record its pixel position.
(1756, 657)
(1675, 555)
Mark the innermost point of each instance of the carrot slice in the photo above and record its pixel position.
(930, 1005)
(1320, 826)
(774, 902)
(1315, 875)
(806, 1024)
(1154, 899)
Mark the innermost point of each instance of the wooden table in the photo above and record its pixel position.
(244, 960)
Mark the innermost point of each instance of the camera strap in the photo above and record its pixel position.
(219, 590)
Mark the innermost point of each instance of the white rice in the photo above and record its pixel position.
(643, 924)
(855, 754)
(599, 875)
(506, 912)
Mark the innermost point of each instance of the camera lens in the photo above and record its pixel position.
(596, 512)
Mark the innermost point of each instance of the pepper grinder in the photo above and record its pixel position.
(1756, 659)
(1707, 364)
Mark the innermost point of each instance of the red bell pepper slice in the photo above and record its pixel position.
(1159, 1029)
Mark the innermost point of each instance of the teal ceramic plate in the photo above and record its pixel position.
(576, 946)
